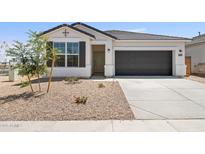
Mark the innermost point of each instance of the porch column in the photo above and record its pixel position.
(88, 58)
(180, 67)
(109, 66)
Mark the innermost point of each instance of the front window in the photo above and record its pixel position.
(68, 54)
(72, 54)
(60, 46)
(73, 48)
(60, 59)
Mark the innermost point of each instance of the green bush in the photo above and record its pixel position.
(101, 85)
(81, 100)
(72, 80)
(24, 84)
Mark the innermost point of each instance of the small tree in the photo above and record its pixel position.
(38, 47)
(51, 56)
(32, 57)
(44, 52)
(24, 58)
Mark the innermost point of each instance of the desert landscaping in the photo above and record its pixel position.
(105, 100)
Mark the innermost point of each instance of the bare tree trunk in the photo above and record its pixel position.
(39, 83)
(50, 75)
(29, 80)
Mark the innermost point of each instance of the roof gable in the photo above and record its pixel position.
(66, 25)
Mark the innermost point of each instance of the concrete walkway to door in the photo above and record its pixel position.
(161, 98)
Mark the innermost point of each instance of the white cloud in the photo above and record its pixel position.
(137, 30)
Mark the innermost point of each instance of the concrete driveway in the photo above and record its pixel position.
(164, 98)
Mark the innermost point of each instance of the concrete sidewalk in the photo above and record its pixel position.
(105, 126)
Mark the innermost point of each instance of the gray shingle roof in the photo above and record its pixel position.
(126, 35)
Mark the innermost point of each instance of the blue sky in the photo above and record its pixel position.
(17, 31)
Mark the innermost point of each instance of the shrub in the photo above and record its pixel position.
(24, 84)
(81, 100)
(23, 60)
(101, 85)
(72, 80)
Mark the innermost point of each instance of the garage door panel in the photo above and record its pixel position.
(143, 63)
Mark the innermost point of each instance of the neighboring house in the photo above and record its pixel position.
(87, 51)
(195, 51)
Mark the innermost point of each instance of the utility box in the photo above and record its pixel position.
(13, 74)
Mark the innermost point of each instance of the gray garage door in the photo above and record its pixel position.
(143, 63)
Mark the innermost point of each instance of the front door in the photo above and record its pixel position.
(98, 62)
(98, 59)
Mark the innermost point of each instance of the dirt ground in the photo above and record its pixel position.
(104, 103)
(197, 78)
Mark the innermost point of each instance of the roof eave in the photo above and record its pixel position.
(195, 43)
(154, 40)
(95, 29)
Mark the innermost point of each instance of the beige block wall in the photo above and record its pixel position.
(197, 53)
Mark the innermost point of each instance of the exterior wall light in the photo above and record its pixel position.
(180, 53)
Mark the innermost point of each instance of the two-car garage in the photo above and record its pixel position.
(143, 63)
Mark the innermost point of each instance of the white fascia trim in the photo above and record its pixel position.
(153, 41)
(70, 29)
(94, 42)
(147, 48)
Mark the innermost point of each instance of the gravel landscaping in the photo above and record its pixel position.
(103, 103)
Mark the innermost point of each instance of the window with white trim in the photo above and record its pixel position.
(72, 54)
(68, 54)
(60, 59)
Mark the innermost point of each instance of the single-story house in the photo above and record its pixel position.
(85, 51)
(195, 54)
